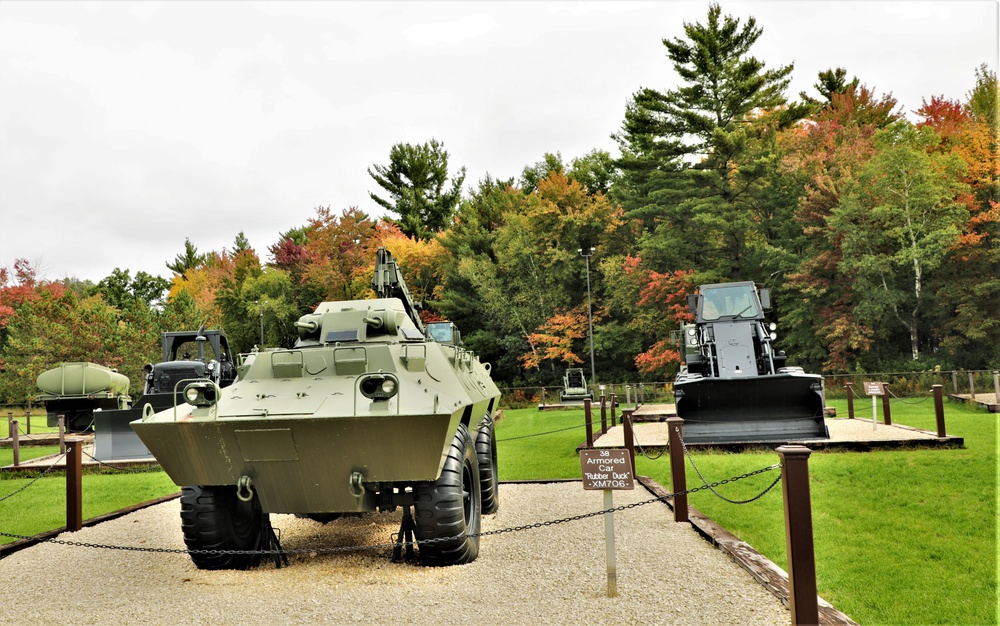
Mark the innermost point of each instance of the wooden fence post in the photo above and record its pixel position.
(604, 413)
(62, 434)
(27, 419)
(74, 484)
(939, 410)
(972, 387)
(850, 400)
(799, 534)
(613, 402)
(885, 406)
(15, 442)
(678, 470)
(629, 436)
(588, 417)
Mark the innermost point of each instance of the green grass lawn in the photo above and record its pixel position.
(901, 536)
(41, 507)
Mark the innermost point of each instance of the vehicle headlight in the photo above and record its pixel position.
(691, 332)
(201, 393)
(378, 386)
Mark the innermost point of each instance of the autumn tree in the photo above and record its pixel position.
(968, 284)
(417, 183)
(897, 222)
(120, 289)
(696, 156)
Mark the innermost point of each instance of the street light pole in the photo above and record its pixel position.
(590, 319)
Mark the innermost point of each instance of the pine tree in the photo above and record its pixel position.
(696, 159)
(416, 180)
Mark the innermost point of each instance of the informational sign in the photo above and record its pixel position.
(874, 389)
(607, 468)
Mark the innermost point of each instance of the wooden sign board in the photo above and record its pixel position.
(874, 389)
(607, 468)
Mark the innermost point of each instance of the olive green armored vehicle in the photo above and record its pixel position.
(368, 411)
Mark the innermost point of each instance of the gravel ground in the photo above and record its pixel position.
(667, 574)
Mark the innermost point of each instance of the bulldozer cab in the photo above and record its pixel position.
(732, 301)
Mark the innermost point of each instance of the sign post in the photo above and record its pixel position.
(874, 390)
(608, 469)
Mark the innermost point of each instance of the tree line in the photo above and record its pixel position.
(877, 235)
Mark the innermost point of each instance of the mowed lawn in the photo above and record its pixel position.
(901, 536)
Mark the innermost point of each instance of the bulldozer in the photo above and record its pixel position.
(734, 386)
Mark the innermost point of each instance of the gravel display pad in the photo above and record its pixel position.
(667, 574)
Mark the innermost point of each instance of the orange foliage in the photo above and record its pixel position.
(554, 342)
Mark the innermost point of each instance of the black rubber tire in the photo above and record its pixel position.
(450, 507)
(486, 452)
(213, 518)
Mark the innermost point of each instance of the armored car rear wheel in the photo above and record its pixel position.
(486, 452)
(450, 507)
(213, 518)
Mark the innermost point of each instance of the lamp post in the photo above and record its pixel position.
(590, 319)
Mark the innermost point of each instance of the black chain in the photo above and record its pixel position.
(723, 482)
(548, 432)
(35, 479)
(642, 450)
(122, 470)
(921, 401)
(391, 545)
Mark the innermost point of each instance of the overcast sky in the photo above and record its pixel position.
(126, 127)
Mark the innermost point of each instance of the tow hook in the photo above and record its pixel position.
(357, 484)
(244, 484)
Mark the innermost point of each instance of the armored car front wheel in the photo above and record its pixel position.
(214, 518)
(448, 510)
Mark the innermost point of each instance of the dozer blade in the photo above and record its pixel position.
(775, 408)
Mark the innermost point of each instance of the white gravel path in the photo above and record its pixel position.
(667, 574)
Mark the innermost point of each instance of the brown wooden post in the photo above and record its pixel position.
(939, 410)
(27, 418)
(678, 470)
(588, 418)
(612, 409)
(15, 443)
(74, 484)
(996, 387)
(10, 424)
(62, 434)
(629, 436)
(887, 416)
(972, 387)
(541, 402)
(954, 382)
(799, 534)
(604, 413)
(850, 400)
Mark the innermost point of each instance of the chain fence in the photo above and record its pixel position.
(277, 553)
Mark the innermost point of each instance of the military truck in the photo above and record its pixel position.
(734, 385)
(77, 390)
(369, 410)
